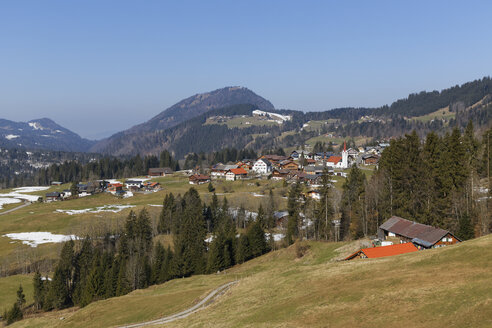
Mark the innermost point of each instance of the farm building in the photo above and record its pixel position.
(422, 235)
(198, 179)
(383, 251)
(159, 171)
(236, 174)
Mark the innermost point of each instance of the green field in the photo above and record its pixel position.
(8, 290)
(241, 122)
(316, 125)
(440, 114)
(446, 287)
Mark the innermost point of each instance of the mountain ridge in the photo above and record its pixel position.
(39, 134)
(184, 110)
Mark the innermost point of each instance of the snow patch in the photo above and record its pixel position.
(5, 201)
(34, 239)
(278, 117)
(276, 236)
(31, 189)
(258, 195)
(105, 208)
(29, 198)
(128, 194)
(11, 136)
(35, 126)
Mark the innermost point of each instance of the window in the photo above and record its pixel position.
(444, 239)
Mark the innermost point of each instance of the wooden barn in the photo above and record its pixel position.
(422, 235)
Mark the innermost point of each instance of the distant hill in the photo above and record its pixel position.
(41, 134)
(121, 143)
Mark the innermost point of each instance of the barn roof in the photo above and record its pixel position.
(383, 251)
(424, 235)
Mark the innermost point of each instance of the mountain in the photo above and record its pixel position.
(41, 134)
(189, 108)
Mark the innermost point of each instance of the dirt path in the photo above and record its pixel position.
(15, 208)
(206, 301)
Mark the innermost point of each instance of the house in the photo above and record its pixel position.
(152, 186)
(66, 193)
(274, 159)
(288, 165)
(115, 187)
(322, 156)
(159, 171)
(422, 235)
(133, 185)
(198, 179)
(334, 161)
(309, 161)
(245, 165)
(370, 159)
(236, 174)
(262, 166)
(53, 196)
(281, 218)
(279, 174)
(383, 251)
(56, 183)
(220, 170)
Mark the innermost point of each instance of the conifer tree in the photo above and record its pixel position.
(293, 207)
(39, 291)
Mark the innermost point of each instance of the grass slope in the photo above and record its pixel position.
(447, 287)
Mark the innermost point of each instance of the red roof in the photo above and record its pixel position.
(115, 185)
(334, 159)
(383, 251)
(238, 171)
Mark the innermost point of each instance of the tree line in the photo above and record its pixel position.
(435, 181)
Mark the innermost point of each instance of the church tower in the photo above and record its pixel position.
(344, 156)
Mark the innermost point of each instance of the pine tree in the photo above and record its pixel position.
(257, 242)
(21, 298)
(39, 291)
(293, 207)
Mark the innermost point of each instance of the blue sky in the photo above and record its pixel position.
(98, 67)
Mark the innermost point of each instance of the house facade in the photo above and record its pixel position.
(262, 166)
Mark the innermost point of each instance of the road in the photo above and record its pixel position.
(15, 208)
(207, 300)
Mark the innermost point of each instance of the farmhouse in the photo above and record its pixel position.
(288, 165)
(220, 170)
(198, 179)
(280, 174)
(262, 166)
(159, 171)
(383, 251)
(236, 174)
(53, 196)
(133, 185)
(370, 159)
(422, 235)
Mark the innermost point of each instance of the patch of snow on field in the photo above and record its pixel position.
(258, 195)
(11, 136)
(29, 198)
(5, 201)
(128, 194)
(155, 205)
(34, 239)
(105, 208)
(30, 189)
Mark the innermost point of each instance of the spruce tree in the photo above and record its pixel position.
(39, 291)
(293, 207)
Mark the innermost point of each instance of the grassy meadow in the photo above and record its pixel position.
(446, 287)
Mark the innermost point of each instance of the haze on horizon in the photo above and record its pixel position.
(101, 67)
